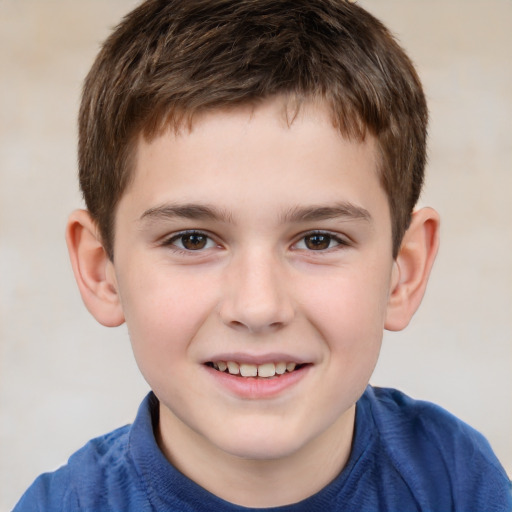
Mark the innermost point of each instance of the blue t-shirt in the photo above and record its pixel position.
(406, 456)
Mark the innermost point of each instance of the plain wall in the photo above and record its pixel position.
(64, 379)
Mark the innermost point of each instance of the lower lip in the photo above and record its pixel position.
(258, 387)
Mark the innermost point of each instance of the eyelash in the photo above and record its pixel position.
(341, 242)
(171, 241)
(210, 243)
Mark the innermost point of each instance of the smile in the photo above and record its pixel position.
(266, 370)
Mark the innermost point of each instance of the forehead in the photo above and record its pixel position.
(255, 156)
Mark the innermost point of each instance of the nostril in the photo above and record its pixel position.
(274, 326)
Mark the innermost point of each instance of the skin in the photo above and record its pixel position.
(255, 191)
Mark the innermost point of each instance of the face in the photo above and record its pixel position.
(263, 247)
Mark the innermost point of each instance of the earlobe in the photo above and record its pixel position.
(412, 268)
(94, 272)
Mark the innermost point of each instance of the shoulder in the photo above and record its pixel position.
(423, 424)
(436, 453)
(103, 475)
(86, 473)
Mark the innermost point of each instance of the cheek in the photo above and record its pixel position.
(349, 315)
(349, 310)
(163, 314)
(352, 298)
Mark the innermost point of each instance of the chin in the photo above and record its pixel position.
(262, 444)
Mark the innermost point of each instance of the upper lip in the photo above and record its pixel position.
(243, 357)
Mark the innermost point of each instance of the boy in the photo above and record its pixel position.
(250, 170)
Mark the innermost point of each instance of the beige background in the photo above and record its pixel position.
(65, 379)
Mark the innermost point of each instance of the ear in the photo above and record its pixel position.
(412, 268)
(94, 271)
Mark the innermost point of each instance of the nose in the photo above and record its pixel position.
(256, 296)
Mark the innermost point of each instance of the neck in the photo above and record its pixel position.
(260, 483)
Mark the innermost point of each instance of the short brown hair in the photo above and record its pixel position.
(171, 59)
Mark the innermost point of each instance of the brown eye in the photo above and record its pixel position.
(194, 241)
(190, 241)
(317, 242)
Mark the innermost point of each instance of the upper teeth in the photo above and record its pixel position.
(253, 370)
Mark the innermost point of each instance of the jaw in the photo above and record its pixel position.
(262, 459)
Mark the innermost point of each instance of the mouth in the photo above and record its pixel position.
(264, 371)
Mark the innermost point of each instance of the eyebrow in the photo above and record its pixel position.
(186, 211)
(343, 210)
